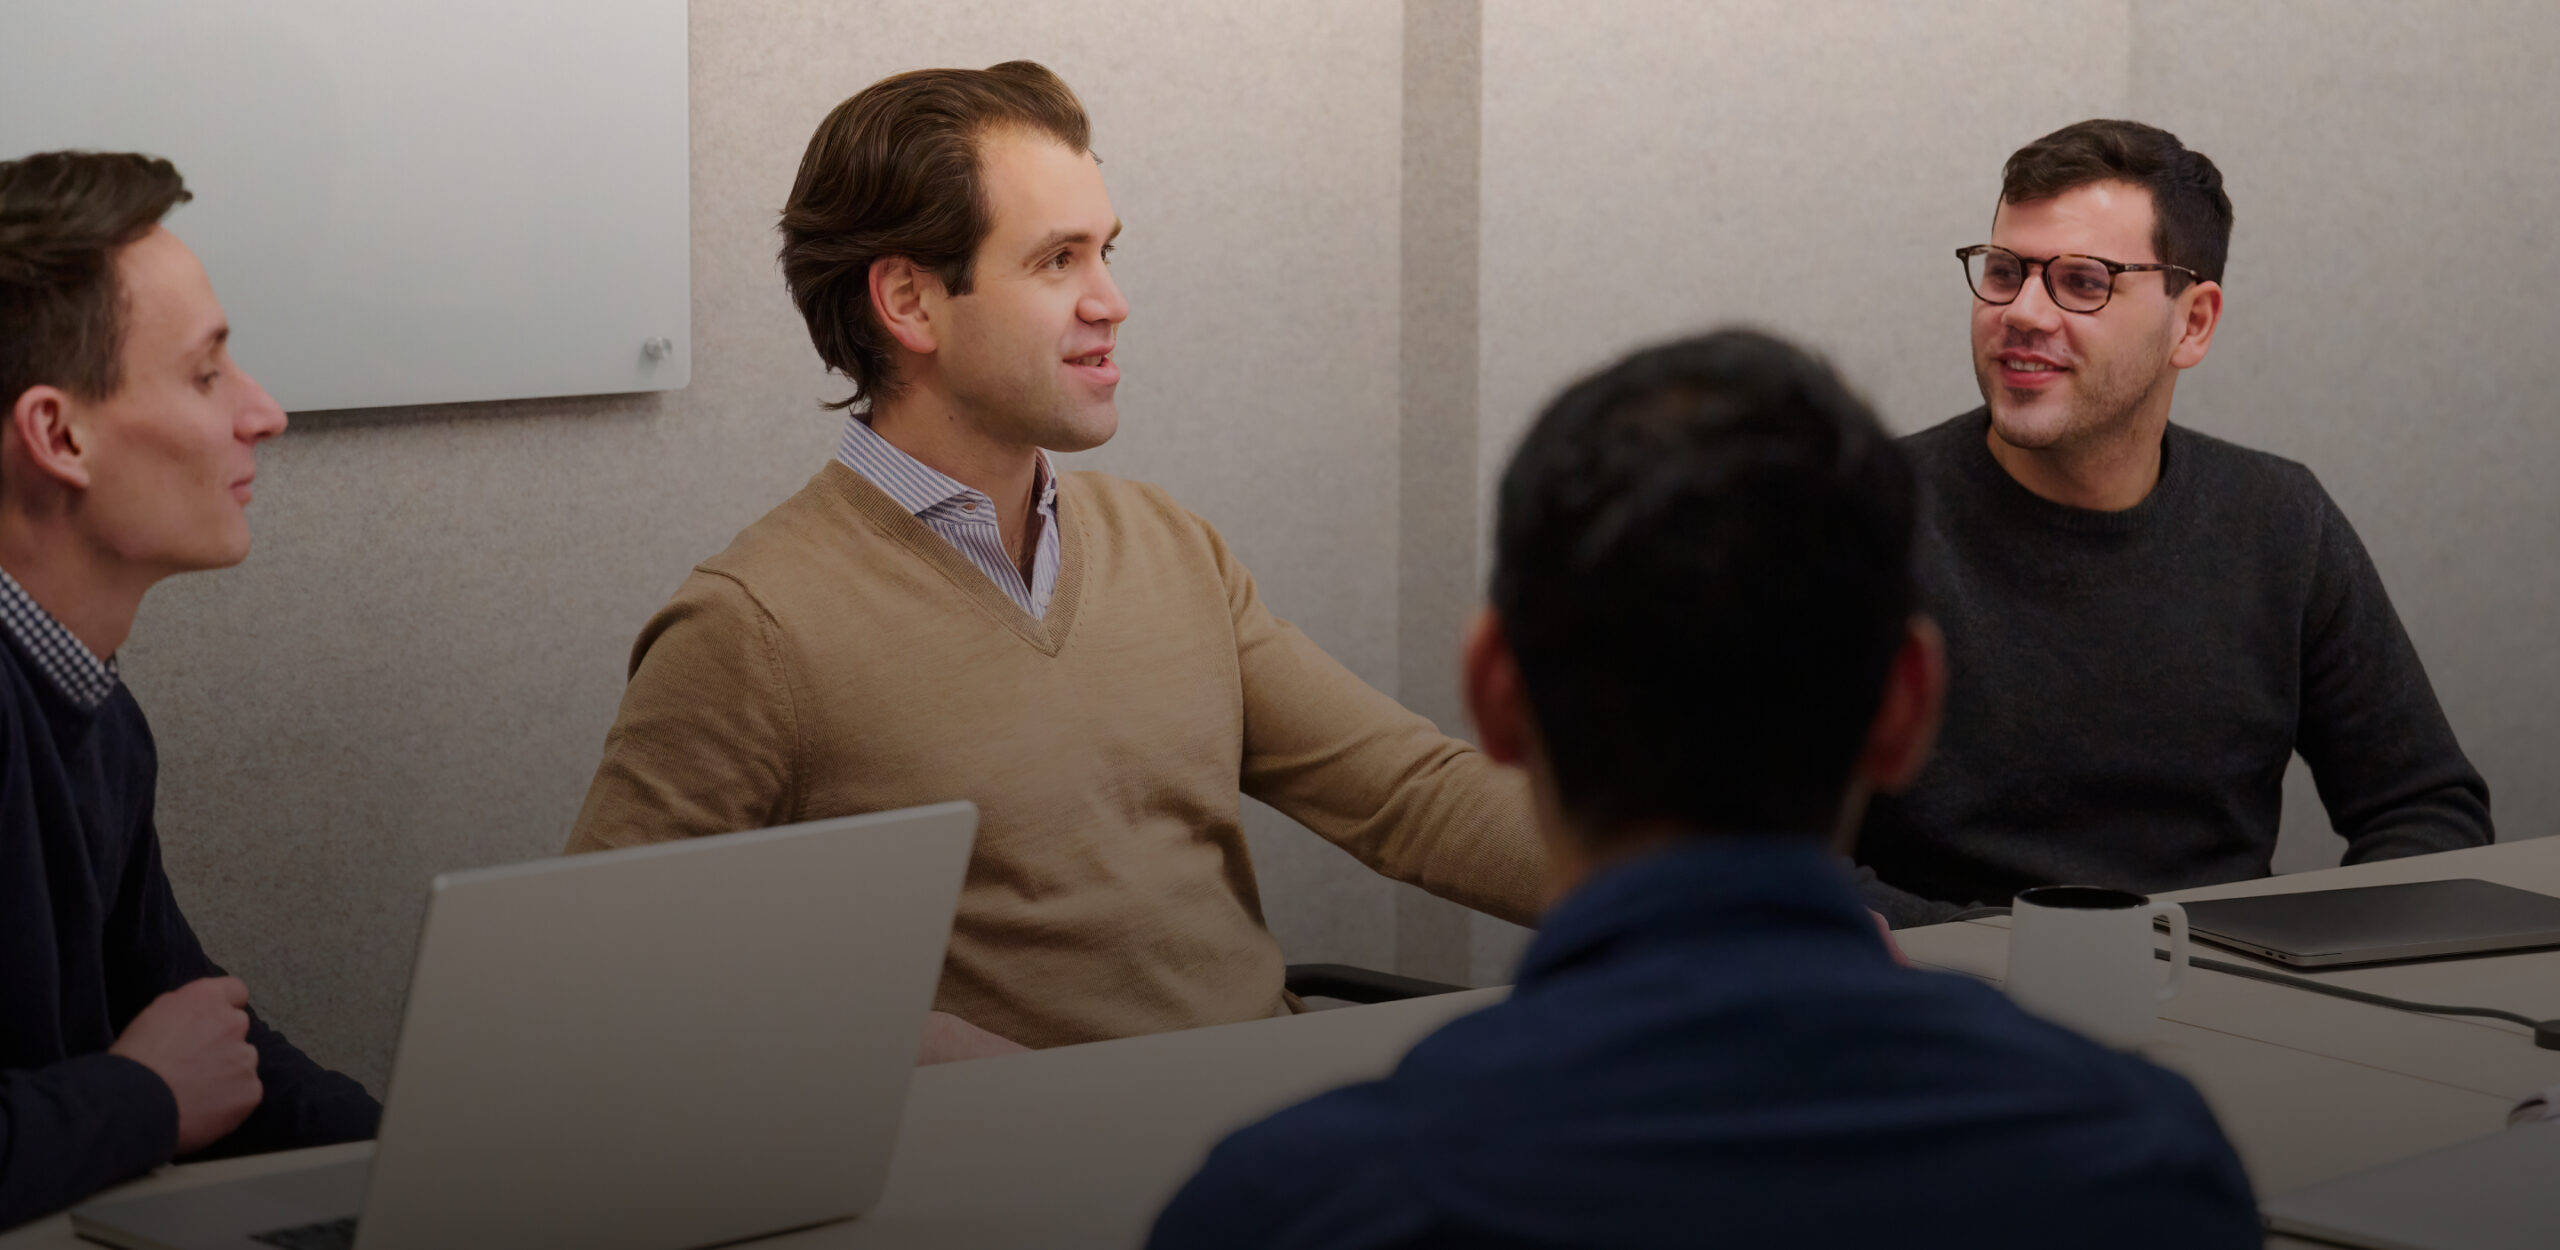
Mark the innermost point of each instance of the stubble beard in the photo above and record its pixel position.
(2097, 409)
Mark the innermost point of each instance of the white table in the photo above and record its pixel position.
(1081, 1145)
(2310, 1087)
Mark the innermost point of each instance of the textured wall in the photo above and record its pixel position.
(2389, 323)
(415, 669)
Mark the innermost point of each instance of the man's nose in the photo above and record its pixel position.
(1103, 302)
(2033, 309)
(261, 417)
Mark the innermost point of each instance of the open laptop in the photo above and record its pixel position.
(657, 1048)
(2499, 1192)
(2376, 923)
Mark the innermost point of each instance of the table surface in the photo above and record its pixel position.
(1079, 1146)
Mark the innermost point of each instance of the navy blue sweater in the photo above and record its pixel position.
(89, 935)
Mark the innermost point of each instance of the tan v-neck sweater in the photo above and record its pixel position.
(840, 657)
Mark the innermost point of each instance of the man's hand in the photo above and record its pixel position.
(1884, 929)
(196, 1039)
(948, 1038)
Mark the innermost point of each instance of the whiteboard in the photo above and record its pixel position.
(399, 203)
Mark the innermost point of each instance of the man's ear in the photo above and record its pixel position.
(1496, 701)
(53, 443)
(898, 290)
(1906, 721)
(2201, 306)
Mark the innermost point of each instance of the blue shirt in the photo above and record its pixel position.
(1710, 1046)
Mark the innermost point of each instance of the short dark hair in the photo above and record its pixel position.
(2191, 216)
(63, 218)
(894, 171)
(1703, 568)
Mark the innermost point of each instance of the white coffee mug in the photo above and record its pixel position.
(2081, 956)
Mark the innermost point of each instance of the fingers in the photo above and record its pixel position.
(231, 990)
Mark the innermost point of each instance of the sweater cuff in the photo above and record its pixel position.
(143, 1108)
(74, 1127)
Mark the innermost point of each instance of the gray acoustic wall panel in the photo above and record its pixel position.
(2390, 322)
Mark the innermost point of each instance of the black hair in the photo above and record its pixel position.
(2191, 215)
(1703, 568)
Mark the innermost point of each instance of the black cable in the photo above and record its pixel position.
(2546, 1033)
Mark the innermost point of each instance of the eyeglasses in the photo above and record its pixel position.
(2081, 284)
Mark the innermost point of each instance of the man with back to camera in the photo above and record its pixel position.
(941, 615)
(1703, 649)
(127, 457)
(2144, 623)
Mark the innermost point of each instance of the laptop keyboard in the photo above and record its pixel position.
(337, 1234)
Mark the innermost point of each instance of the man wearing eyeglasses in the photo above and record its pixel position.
(2144, 623)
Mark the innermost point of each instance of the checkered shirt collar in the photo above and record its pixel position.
(65, 661)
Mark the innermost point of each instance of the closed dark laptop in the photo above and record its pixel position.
(2376, 923)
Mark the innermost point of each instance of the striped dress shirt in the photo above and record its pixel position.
(963, 515)
(64, 660)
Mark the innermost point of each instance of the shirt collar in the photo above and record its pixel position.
(64, 660)
(1704, 885)
(916, 486)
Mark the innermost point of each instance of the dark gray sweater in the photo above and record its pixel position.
(2126, 688)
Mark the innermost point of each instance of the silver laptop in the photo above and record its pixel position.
(2375, 923)
(657, 1048)
(2500, 1192)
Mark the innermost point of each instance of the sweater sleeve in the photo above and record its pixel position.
(70, 1129)
(1901, 908)
(304, 1104)
(705, 738)
(2389, 770)
(1371, 777)
(152, 950)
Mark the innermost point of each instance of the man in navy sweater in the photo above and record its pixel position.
(126, 456)
(1702, 647)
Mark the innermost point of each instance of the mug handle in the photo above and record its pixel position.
(2177, 918)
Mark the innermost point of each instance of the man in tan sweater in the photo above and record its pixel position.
(940, 615)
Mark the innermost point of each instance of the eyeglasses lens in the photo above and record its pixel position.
(2080, 284)
(1996, 275)
(2076, 283)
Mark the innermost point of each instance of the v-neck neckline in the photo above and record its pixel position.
(1047, 635)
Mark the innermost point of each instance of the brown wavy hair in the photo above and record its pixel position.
(894, 171)
(63, 218)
